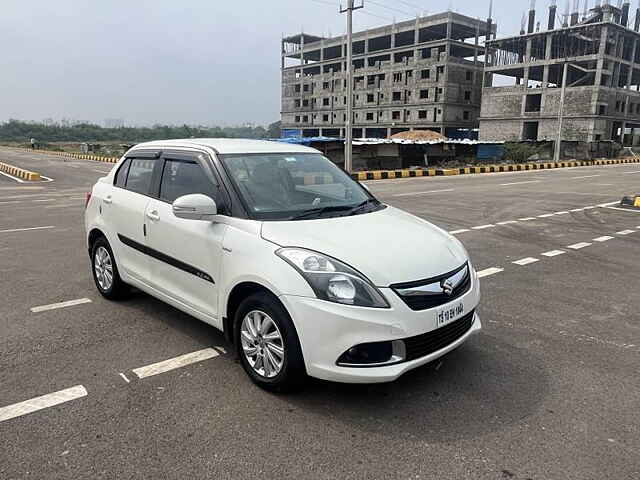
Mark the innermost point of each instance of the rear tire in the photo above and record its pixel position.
(268, 345)
(105, 271)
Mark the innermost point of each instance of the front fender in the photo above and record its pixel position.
(250, 258)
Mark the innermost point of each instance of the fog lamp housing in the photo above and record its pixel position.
(375, 354)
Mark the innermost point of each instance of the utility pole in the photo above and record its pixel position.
(556, 153)
(348, 127)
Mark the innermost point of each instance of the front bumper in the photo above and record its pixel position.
(327, 329)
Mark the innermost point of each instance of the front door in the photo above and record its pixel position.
(186, 255)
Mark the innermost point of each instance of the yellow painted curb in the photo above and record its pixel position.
(20, 172)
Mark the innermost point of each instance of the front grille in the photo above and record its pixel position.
(431, 300)
(427, 343)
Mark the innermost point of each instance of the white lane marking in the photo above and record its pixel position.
(561, 213)
(603, 239)
(26, 229)
(66, 205)
(124, 377)
(177, 362)
(489, 271)
(44, 200)
(47, 179)
(462, 230)
(624, 209)
(507, 222)
(12, 201)
(19, 180)
(584, 176)
(589, 207)
(421, 193)
(100, 171)
(39, 403)
(578, 246)
(604, 205)
(576, 210)
(546, 215)
(635, 171)
(526, 219)
(553, 253)
(526, 261)
(519, 183)
(482, 227)
(625, 232)
(54, 306)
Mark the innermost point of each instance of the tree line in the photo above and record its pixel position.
(19, 131)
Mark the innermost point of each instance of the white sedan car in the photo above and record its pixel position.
(300, 266)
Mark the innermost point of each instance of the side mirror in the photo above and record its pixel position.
(195, 207)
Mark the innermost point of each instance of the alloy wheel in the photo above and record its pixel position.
(262, 344)
(103, 267)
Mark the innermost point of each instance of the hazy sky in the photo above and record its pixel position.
(172, 61)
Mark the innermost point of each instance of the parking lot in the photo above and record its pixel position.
(550, 389)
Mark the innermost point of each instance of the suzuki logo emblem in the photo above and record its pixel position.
(447, 287)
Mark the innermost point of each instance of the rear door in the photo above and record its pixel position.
(124, 211)
(186, 255)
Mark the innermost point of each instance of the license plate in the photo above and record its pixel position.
(449, 314)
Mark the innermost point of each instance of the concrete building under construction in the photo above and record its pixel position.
(579, 79)
(419, 74)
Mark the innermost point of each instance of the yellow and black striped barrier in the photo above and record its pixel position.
(20, 172)
(516, 167)
(77, 156)
(632, 201)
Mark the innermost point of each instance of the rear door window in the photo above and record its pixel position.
(140, 175)
(183, 177)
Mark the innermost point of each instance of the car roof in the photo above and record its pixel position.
(230, 145)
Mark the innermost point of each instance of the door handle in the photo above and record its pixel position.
(153, 215)
(108, 200)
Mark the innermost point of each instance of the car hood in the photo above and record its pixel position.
(388, 246)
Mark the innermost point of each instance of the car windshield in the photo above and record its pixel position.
(296, 186)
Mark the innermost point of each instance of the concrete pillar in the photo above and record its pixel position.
(547, 51)
(449, 27)
(322, 50)
(475, 48)
(600, 65)
(545, 76)
(393, 35)
(632, 64)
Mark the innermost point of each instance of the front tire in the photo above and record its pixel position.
(105, 271)
(268, 345)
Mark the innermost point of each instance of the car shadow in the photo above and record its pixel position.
(485, 385)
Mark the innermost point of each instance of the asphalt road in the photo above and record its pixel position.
(549, 390)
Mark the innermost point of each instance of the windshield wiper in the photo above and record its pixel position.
(320, 211)
(360, 207)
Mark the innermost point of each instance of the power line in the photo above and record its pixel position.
(326, 2)
(412, 5)
(382, 5)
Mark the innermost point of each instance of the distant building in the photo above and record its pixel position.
(419, 74)
(602, 94)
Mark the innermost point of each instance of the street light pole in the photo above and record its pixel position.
(348, 143)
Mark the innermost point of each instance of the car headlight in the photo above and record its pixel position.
(333, 280)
